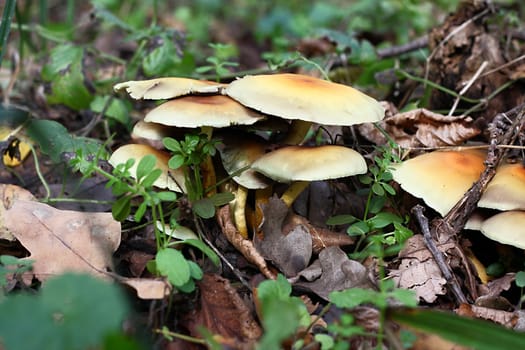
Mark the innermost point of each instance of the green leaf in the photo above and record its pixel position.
(195, 270)
(353, 297)
(341, 220)
(117, 110)
(378, 190)
(167, 196)
(279, 288)
(171, 144)
(220, 199)
(176, 161)
(145, 166)
(391, 191)
(54, 139)
(384, 219)
(172, 264)
(204, 208)
(60, 60)
(475, 333)
(203, 248)
(358, 229)
(141, 210)
(59, 317)
(405, 296)
(520, 279)
(376, 204)
(121, 208)
(162, 58)
(150, 179)
(65, 72)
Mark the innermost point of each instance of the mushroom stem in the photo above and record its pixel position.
(293, 192)
(297, 133)
(239, 216)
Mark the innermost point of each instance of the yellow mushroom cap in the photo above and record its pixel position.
(170, 178)
(506, 190)
(302, 163)
(164, 88)
(507, 227)
(440, 178)
(195, 111)
(295, 96)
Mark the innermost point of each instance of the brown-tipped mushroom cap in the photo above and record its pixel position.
(301, 163)
(239, 150)
(169, 178)
(506, 190)
(195, 111)
(164, 88)
(507, 227)
(440, 178)
(295, 96)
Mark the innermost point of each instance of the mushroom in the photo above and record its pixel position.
(302, 164)
(170, 178)
(239, 151)
(165, 88)
(440, 178)
(304, 100)
(507, 227)
(205, 112)
(506, 190)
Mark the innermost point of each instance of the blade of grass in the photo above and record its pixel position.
(5, 26)
(475, 333)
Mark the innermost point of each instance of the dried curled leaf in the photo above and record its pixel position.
(421, 128)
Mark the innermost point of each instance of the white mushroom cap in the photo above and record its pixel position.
(164, 88)
(440, 178)
(507, 227)
(170, 178)
(195, 111)
(151, 131)
(301, 163)
(506, 190)
(295, 96)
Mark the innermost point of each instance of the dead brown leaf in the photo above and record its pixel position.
(418, 271)
(422, 128)
(10, 194)
(223, 312)
(334, 271)
(290, 251)
(148, 288)
(60, 240)
(244, 246)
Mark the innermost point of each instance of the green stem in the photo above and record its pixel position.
(39, 174)
(436, 86)
(5, 26)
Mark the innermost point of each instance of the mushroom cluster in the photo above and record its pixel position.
(441, 178)
(242, 109)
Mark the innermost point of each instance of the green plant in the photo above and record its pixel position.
(69, 312)
(218, 62)
(379, 241)
(190, 154)
(168, 261)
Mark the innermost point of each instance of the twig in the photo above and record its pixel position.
(394, 51)
(222, 257)
(438, 255)
(467, 86)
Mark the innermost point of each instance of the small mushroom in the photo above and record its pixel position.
(507, 227)
(506, 190)
(165, 88)
(305, 100)
(239, 150)
(302, 164)
(440, 178)
(170, 178)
